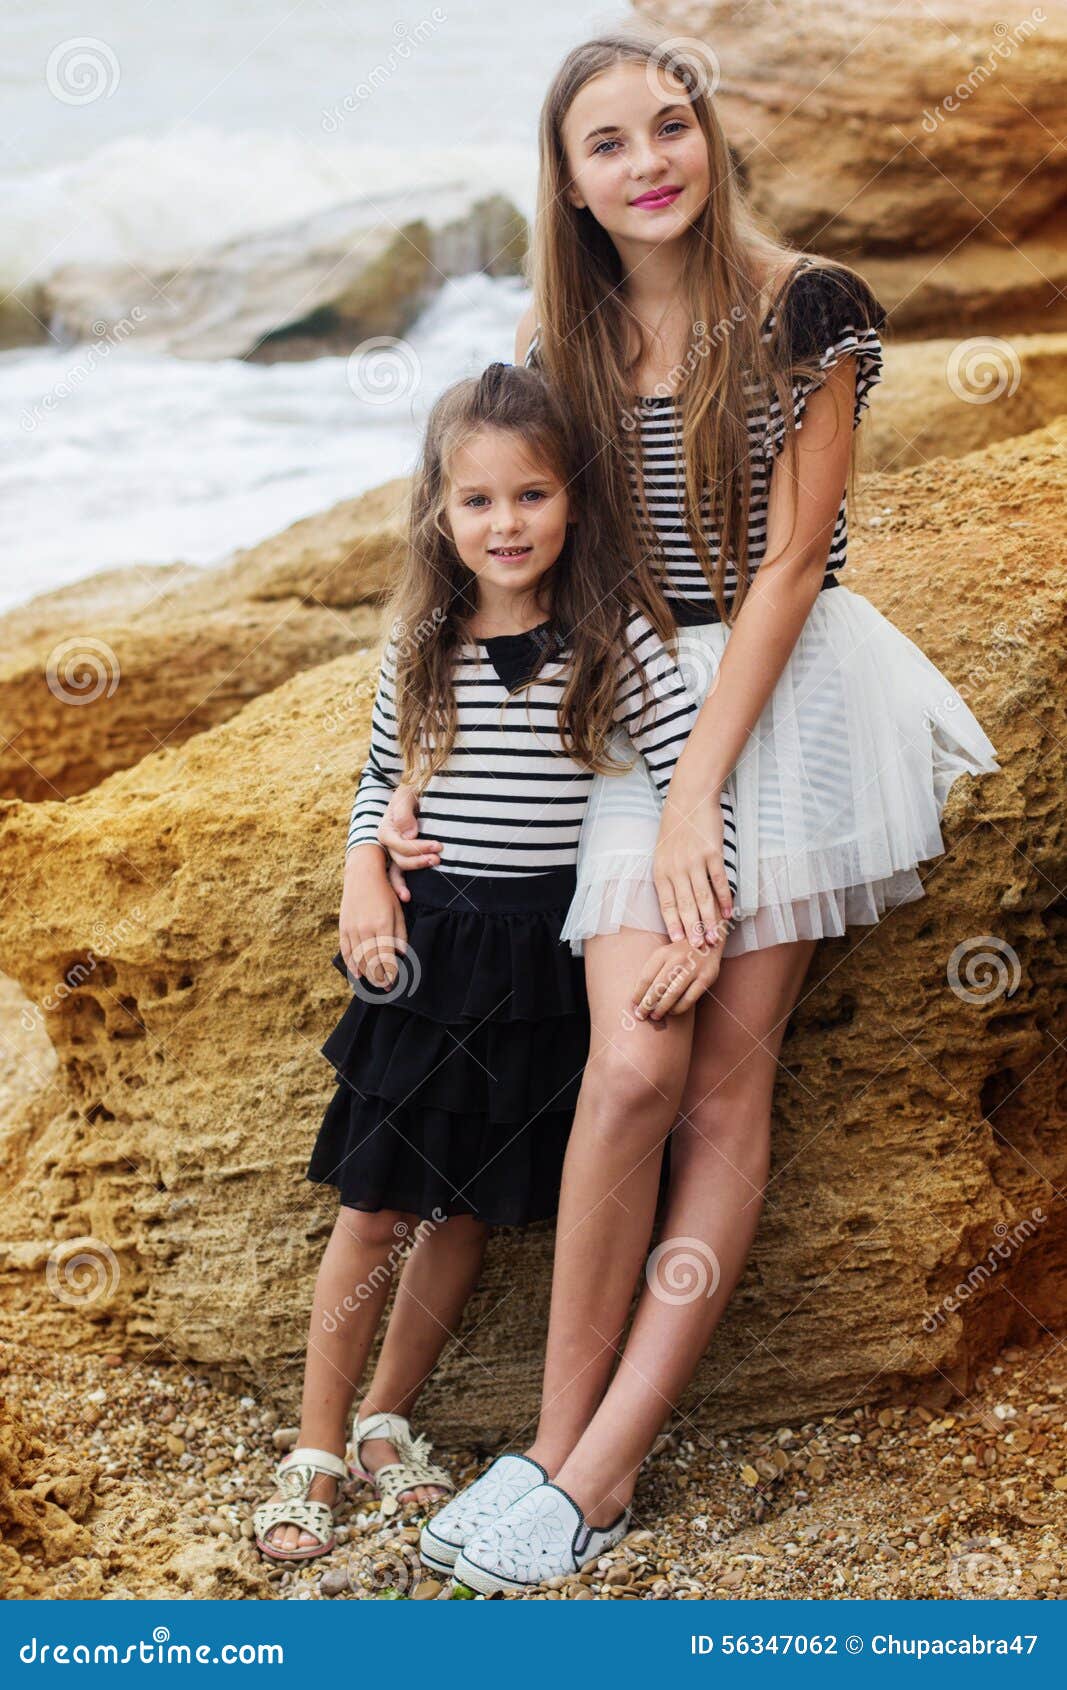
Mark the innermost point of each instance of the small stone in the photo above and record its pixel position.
(749, 1476)
(427, 1589)
(583, 1594)
(333, 1581)
(112, 1361)
(167, 1413)
(617, 1575)
(176, 1446)
(284, 1437)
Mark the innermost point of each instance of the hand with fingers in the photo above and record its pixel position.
(372, 930)
(689, 872)
(674, 979)
(398, 834)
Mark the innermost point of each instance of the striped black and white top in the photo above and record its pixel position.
(826, 316)
(510, 800)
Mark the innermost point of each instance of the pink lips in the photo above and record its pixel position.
(658, 197)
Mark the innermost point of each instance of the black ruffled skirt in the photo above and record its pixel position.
(457, 1085)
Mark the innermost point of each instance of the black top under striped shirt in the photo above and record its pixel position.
(826, 315)
(510, 800)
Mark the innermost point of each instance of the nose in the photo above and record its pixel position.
(646, 160)
(509, 519)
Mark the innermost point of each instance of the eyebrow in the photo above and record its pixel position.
(478, 486)
(613, 128)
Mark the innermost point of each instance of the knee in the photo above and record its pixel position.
(623, 1103)
(727, 1118)
(374, 1229)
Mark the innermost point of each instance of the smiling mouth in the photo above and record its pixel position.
(510, 553)
(658, 196)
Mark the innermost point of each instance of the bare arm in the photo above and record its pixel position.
(524, 333)
(761, 640)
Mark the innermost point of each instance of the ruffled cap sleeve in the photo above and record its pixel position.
(826, 316)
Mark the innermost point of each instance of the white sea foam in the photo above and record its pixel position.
(151, 459)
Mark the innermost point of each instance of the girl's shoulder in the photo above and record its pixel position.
(819, 305)
(527, 335)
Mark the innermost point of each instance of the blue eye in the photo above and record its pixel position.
(533, 493)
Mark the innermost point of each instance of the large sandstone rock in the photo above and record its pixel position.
(921, 138)
(172, 933)
(103, 672)
(944, 398)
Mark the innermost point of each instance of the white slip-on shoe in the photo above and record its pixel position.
(541, 1536)
(464, 1515)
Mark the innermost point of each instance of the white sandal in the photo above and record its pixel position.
(294, 1475)
(414, 1467)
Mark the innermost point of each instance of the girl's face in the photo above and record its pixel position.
(507, 512)
(639, 163)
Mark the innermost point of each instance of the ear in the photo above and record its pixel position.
(573, 197)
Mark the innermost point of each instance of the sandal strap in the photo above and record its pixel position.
(393, 1427)
(317, 1460)
(397, 1476)
(313, 1517)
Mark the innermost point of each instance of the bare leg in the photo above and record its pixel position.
(350, 1293)
(628, 1102)
(438, 1278)
(717, 1181)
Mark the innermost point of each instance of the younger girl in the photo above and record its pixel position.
(512, 666)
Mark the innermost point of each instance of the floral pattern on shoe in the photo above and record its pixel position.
(543, 1535)
(477, 1506)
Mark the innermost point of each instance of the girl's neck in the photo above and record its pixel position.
(652, 275)
(507, 613)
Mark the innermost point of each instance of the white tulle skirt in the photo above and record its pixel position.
(837, 797)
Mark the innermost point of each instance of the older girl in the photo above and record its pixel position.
(723, 375)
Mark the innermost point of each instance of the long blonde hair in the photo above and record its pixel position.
(436, 594)
(587, 330)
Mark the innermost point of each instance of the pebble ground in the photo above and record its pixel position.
(963, 1498)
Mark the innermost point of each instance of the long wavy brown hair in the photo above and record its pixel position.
(591, 344)
(436, 594)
